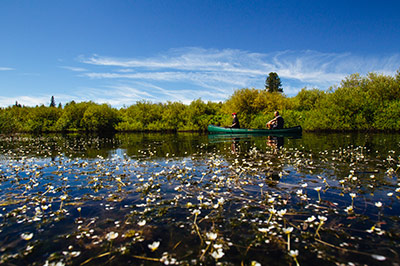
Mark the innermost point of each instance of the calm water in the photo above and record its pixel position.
(198, 199)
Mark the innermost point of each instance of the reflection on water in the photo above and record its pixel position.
(199, 199)
(275, 142)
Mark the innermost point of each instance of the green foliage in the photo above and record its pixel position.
(52, 102)
(258, 121)
(28, 119)
(387, 117)
(359, 103)
(43, 119)
(100, 118)
(249, 103)
(172, 116)
(294, 117)
(12, 118)
(72, 116)
(143, 115)
(307, 100)
(198, 115)
(273, 83)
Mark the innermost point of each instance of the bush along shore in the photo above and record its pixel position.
(369, 103)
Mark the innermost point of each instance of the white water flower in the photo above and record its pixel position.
(26, 236)
(378, 257)
(294, 253)
(211, 235)
(282, 212)
(58, 263)
(371, 229)
(38, 210)
(353, 195)
(271, 200)
(322, 218)
(287, 230)
(349, 209)
(217, 254)
(221, 201)
(263, 230)
(318, 189)
(196, 212)
(75, 253)
(111, 236)
(154, 246)
(217, 246)
(378, 204)
(142, 223)
(311, 219)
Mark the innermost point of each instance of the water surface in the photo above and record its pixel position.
(198, 199)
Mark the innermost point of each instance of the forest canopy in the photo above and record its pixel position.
(358, 103)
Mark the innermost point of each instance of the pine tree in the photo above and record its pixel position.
(273, 83)
(52, 102)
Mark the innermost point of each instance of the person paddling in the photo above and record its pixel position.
(276, 123)
(235, 121)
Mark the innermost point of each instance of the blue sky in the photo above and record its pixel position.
(119, 52)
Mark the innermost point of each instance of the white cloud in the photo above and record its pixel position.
(24, 100)
(187, 74)
(6, 69)
(227, 70)
(75, 69)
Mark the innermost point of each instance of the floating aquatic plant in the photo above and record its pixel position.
(208, 206)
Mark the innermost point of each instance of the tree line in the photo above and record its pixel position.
(371, 102)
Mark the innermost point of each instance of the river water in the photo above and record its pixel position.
(198, 199)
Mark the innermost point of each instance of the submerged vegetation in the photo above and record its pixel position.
(359, 103)
(194, 200)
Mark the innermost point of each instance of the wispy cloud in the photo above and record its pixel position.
(214, 74)
(187, 74)
(75, 69)
(6, 68)
(23, 100)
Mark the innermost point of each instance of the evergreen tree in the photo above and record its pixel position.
(52, 102)
(273, 83)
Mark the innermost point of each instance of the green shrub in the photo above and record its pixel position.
(387, 118)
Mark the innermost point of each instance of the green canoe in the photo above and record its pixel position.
(228, 130)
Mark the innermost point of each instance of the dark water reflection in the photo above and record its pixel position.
(89, 199)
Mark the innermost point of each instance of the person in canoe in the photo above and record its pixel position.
(276, 123)
(235, 121)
